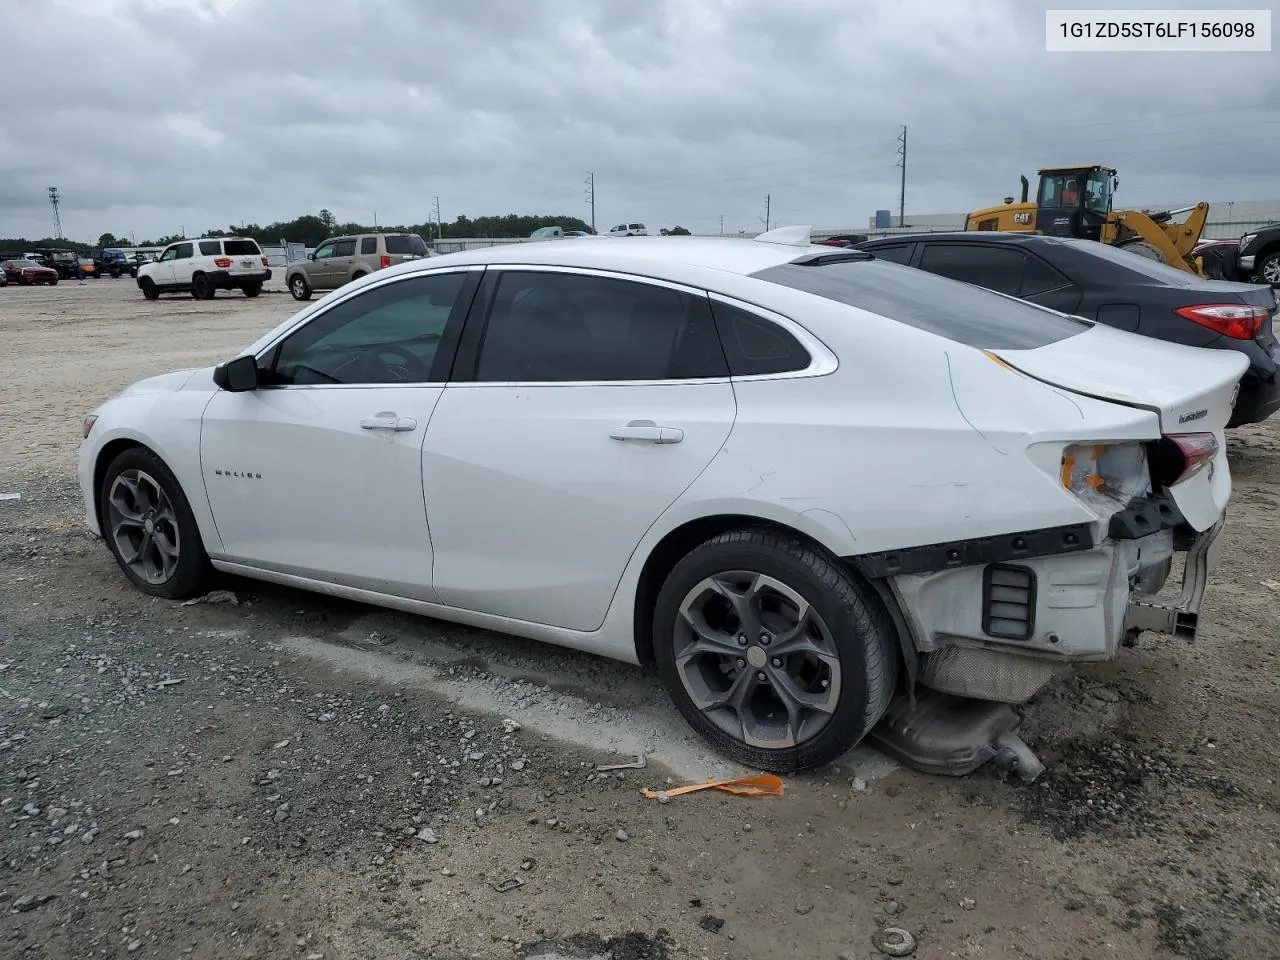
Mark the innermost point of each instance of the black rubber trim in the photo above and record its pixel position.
(1047, 542)
(1030, 622)
(1145, 516)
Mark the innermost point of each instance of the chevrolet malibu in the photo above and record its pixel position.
(807, 484)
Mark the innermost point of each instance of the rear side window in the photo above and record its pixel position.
(241, 248)
(368, 245)
(991, 267)
(210, 248)
(344, 248)
(1039, 277)
(409, 243)
(755, 346)
(898, 253)
(965, 314)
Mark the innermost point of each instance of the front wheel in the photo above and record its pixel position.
(150, 529)
(149, 289)
(252, 289)
(772, 651)
(53, 282)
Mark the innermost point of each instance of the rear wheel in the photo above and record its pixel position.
(299, 287)
(1269, 269)
(1143, 249)
(201, 288)
(358, 274)
(149, 527)
(772, 651)
(149, 289)
(252, 289)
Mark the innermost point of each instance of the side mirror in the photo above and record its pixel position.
(237, 375)
(311, 256)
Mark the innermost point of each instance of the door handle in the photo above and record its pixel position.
(648, 432)
(388, 421)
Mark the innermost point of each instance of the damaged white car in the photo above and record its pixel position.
(822, 492)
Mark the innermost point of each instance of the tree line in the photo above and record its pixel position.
(312, 229)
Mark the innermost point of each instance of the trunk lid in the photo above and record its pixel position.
(1191, 389)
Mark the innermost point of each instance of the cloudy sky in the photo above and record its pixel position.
(155, 115)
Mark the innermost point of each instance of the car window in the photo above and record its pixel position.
(169, 254)
(408, 243)
(210, 248)
(637, 226)
(241, 248)
(183, 251)
(960, 312)
(368, 245)
(563, 327)
(344, 248)
(898, 253)
(754, 345)
(996, 268)
(388, 334)
(1039, 277)
(323, 251)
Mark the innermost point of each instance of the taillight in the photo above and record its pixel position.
(384, 261)
(1236, 320)
(222, 262)
(266, 262)
(1180, 456)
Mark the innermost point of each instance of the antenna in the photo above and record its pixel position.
(54, 200)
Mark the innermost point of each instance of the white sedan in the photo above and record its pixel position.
(800, 480)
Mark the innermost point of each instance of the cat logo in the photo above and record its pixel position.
(1022, 218)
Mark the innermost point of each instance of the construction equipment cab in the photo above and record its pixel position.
(1077, 202)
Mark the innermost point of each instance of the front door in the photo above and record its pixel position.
(318, 472)
(593, 403)
(183, 263)
(162, 272)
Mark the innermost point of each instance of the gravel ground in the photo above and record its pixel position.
(272, 774)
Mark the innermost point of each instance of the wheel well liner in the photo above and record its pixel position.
(676, 544)
(106, 455)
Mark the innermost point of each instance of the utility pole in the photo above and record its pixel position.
(768, 201)
(722, 224)
(54, 200)
(902, 190)
(591, 198)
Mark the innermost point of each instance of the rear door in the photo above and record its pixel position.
(583, 404)
(997, 268)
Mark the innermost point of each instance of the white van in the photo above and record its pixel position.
(629, 230)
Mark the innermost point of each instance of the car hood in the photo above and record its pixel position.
(164, 383)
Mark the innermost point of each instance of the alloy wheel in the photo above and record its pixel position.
(757, 659)
(1271, 271)
(143, 526)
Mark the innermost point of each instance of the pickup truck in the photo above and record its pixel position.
(1260, 254)
(114, 262)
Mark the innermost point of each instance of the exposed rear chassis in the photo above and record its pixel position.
(1180, 617)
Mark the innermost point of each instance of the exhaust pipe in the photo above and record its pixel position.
(1025, 187)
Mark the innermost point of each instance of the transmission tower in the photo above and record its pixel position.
(591, 198)
(54, 200)
(902, 190)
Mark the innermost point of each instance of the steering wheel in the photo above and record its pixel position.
(409, 369)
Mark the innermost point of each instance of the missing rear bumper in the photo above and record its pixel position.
(1179, 617)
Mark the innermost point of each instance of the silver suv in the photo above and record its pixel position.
(340, 260)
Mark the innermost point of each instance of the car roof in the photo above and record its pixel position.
(970, 236)
(637, 254)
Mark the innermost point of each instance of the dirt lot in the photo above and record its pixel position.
(290, 776)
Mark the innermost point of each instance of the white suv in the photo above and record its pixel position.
(629, 230)
(203, 267)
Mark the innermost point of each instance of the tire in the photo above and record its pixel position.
(149, 288)
(855, 632)
(201, 288)
(148, 489)
(299, 287)
(115, 273)
(1142, 249)
(53, 282)
(252, 289)
(1268, 269)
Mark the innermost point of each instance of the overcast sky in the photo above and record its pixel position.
(154, 115)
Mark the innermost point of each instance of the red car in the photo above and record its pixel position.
(28, 271)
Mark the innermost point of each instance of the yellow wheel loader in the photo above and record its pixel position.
(1076, 202)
